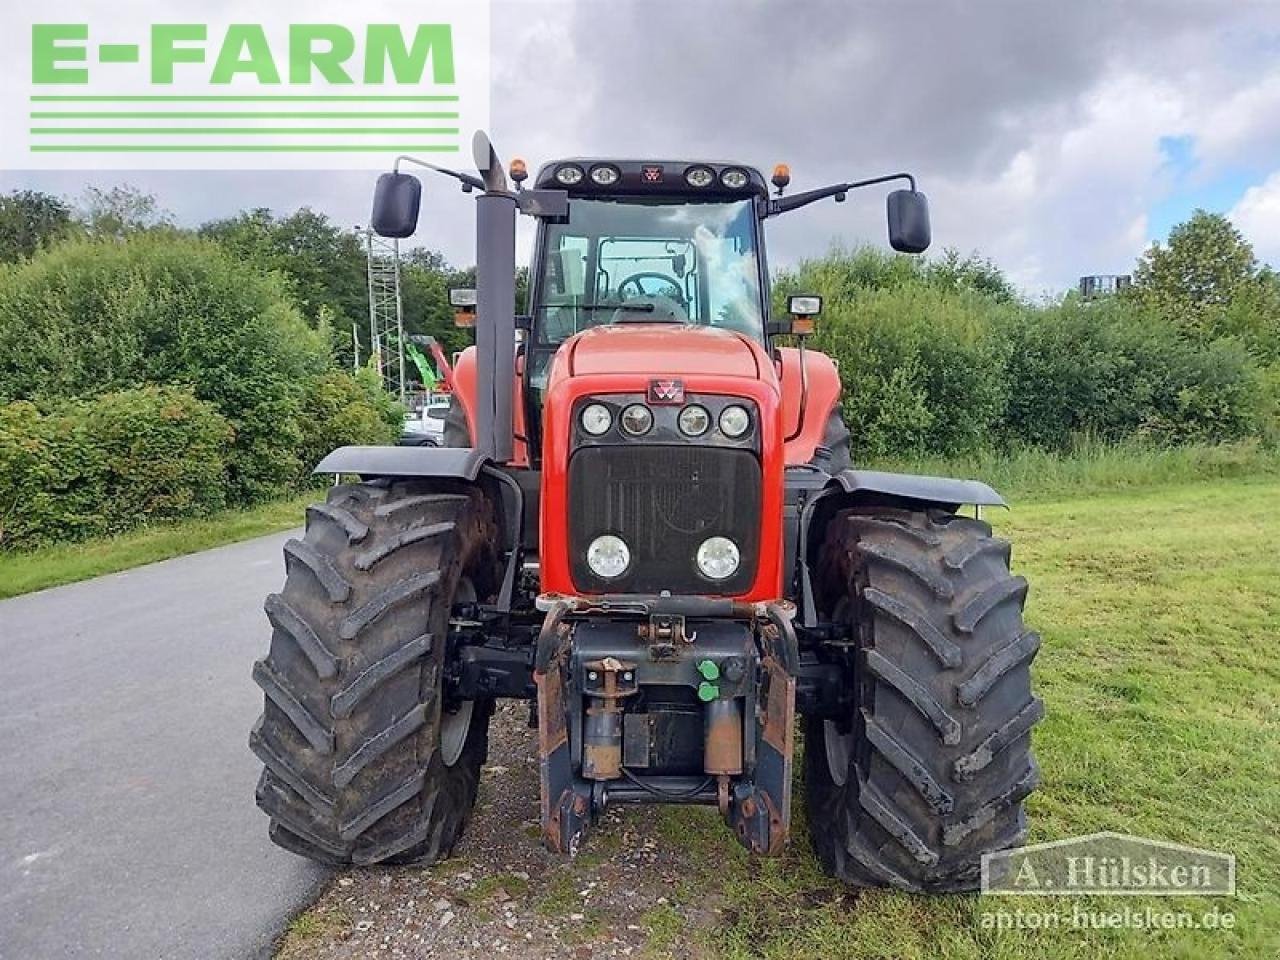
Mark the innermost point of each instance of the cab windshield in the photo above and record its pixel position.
(618, 261)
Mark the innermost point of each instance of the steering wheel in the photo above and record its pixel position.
(666, 287)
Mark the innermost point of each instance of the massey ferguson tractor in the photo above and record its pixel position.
(644, 520)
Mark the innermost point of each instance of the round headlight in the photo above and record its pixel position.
(699, 177)
(735, 179)
(694, 420)
(734, 421)
(608, 557)
(570, 174)
(718, 558)
(605, 175)
(596, 419)
(636, 419)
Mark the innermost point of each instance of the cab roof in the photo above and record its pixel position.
(658, 178)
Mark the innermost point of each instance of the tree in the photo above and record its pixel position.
(323, 264)
(954, 273)
(425, 281)
(1193, 280)
(120, 212)
(28, 221)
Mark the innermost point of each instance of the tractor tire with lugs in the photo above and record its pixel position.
(364, 761)
(929, 768)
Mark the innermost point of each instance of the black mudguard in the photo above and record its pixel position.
(909, 486)
(457, 463)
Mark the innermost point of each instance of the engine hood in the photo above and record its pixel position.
(664, 349)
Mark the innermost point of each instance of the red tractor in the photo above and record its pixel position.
(644, 520)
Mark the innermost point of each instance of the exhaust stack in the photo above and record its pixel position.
(495, 305)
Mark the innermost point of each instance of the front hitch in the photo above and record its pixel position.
(726, 740)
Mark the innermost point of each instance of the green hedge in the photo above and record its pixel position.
(340, 409)
(939, 359)
(85, 468)
(922, 369)
(160, 377)
(1112, 370)
(86, 318)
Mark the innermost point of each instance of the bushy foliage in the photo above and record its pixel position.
(1112, 370)
(79, 468)
(341, 408)
(88, 317)
(922, 370)
(939, 358)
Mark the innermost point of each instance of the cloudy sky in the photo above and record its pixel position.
(1056, 138)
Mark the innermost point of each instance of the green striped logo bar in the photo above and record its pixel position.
(139, 91)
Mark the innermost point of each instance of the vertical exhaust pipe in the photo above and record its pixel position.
(495, 305)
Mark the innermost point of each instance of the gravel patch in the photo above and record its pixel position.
(629, 893)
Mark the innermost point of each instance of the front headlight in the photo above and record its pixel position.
(596, 419)
(608, 557)
(718, 558)
(734, 421)
(637, 420)
(694, 420)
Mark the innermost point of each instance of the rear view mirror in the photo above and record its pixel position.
(909, 230)
(396, 202)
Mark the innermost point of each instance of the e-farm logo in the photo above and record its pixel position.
(138, 86)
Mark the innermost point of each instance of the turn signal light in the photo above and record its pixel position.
(519, 172)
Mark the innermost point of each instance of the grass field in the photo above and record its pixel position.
(67, 563)
(1160, 615)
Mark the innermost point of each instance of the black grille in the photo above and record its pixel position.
(664, 501)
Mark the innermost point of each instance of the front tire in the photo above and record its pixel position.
(364, 762)
(929, 768)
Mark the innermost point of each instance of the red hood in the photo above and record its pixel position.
(663, 349)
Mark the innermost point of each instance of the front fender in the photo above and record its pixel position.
(910, 486)
(455, 463)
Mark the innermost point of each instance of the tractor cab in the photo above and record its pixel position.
(669, 244)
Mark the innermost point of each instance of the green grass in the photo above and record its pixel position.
(67, 563)
(310, 929)
(1160, 616)
(1028, 474)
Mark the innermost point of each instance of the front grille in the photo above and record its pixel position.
(664, 501)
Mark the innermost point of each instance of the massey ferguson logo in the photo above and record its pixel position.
(651, 174)
(666, 391)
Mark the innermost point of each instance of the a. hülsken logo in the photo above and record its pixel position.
(239, 85)
(1109, 863)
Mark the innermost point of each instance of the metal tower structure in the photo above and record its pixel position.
(386, 311)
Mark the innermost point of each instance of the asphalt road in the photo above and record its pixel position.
(127, 822)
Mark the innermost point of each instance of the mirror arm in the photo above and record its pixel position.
(469, 182)
(837, 190)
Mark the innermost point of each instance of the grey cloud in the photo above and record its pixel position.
(1034, 126)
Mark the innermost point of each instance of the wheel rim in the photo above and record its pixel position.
(456, 724)
(838, 746)
(839, 749)
(453, 732)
